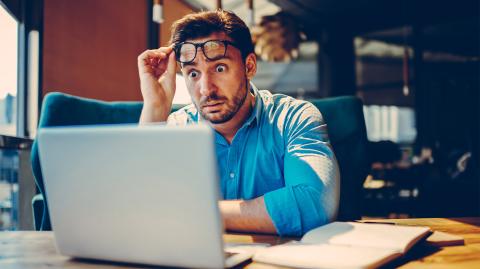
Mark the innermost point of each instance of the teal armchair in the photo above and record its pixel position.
(348, 136)
(59, 109)
(344, 116)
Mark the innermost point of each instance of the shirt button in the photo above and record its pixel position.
(232, 175)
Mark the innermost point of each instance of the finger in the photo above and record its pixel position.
(165, 50)
(172, 64)
(154, 61)
(148, 54)
(155, 58)
(163, 53)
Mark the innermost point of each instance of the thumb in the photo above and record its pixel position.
(171, 65)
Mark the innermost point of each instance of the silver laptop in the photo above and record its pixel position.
(138, 194)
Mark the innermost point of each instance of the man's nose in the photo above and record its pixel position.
(207, 86)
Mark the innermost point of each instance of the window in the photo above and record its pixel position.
(392, 123)
(385, 79)
(8, 69)
(8, 119)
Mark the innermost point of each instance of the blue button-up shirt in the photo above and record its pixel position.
(282, 152)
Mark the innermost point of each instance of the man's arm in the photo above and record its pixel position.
(156, 70)
(311, 193)
(246, 216)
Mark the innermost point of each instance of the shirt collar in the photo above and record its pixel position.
(257, 108)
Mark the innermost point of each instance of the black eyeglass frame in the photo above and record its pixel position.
(178, 46)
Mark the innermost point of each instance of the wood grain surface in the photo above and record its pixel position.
(25, 250)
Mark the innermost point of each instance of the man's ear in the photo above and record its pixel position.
(251, 65)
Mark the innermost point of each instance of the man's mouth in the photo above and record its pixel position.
(212, 106)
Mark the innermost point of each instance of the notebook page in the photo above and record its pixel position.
(300, 255)
(384, 236)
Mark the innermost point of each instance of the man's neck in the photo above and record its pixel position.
(229, 129)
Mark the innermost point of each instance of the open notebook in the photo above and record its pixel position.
(345, 245)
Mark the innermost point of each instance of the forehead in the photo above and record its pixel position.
(217, 35)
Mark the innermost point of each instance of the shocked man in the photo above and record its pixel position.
(278, 172)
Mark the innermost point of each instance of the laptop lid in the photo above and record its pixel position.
(142, 194)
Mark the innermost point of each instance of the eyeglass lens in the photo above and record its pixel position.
(212, 49)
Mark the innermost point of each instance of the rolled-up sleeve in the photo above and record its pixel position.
(311, 194)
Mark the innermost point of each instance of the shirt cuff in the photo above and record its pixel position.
(283, 210)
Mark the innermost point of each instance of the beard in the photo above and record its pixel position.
(229, 107)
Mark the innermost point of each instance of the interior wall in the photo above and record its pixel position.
(90, 47)
(172, 11)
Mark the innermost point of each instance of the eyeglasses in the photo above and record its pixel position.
(212, 49)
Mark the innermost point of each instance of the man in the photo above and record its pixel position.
(278, 171)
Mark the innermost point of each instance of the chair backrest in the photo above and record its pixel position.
(348, 136)
(61, 109)
(344, 116)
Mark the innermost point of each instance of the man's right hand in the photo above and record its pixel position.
(156, 69)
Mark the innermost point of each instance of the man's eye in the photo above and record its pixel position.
(193, 74)
(220, 68)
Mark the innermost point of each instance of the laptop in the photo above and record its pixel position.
(136, 194)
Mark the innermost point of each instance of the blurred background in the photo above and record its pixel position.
(414, 64)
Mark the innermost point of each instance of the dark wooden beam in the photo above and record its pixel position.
(12, 6)
(362, 16)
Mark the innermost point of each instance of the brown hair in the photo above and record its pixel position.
(205, 23)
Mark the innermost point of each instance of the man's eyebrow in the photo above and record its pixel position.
(226, 57)
(189, 64)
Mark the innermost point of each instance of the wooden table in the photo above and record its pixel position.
(37, 250)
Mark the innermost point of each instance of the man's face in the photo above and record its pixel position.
(218, 88)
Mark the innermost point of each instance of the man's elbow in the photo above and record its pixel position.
(320, 206)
